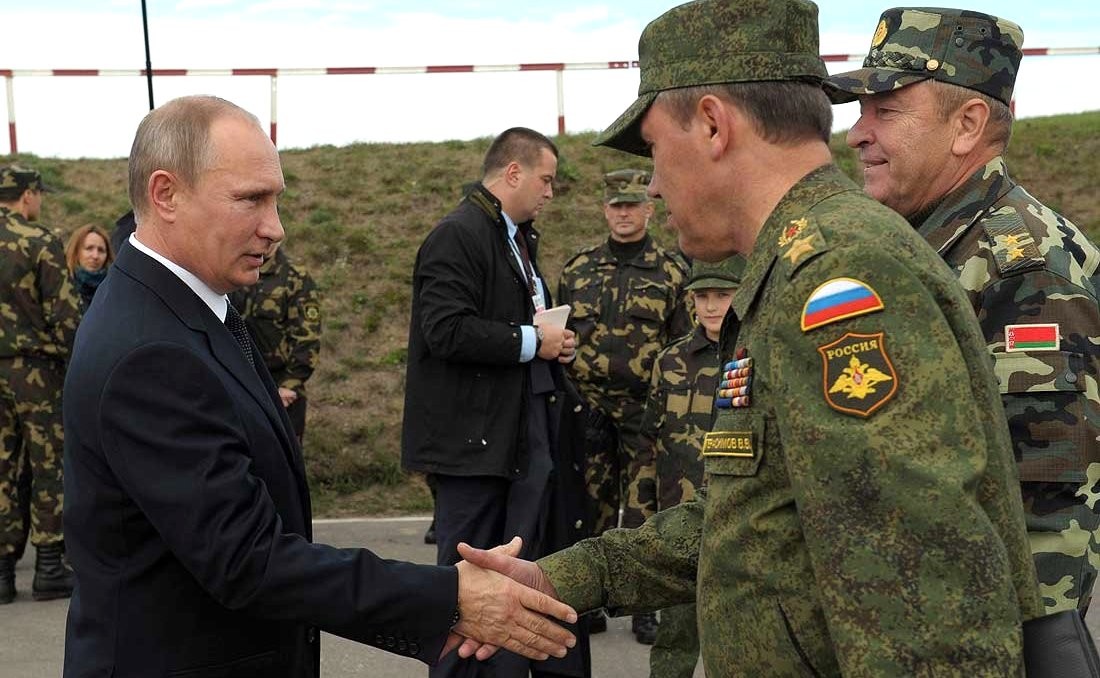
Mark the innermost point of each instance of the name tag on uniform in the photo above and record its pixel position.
(729, 444)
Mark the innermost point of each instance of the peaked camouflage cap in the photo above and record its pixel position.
(957, 46)
(15, 179)
(711, 42)
(725, 274)
(627, 185)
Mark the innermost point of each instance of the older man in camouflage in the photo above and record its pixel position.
(862, 513)
(283, 314)
(678, 414)
(934, 97)
(39, 312)
(626, 299)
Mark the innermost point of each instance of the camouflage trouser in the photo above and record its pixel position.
(1063, 526)
(30, 421)
(676, 651)
(608, 442)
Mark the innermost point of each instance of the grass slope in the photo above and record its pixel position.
(355, 216)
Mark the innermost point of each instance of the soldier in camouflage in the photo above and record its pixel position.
(283, 314)
(862, 513)
(678, 413)
(934, 97)
(626, 299)
(39, 312)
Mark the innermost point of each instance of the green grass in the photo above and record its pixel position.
(355, 216)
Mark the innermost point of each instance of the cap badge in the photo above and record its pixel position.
(880, 34)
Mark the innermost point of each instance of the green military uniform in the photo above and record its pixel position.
(863, 514)
(39, 312)
(1028, 273)
(678, 413)
(624, 309)
(283, 314)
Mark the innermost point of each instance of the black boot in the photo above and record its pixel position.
(597, 621)
(644, 627)
(7, 579)
(52, 577)
(429, 536)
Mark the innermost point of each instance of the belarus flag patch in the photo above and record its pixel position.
(1031, 337)
(838, 299)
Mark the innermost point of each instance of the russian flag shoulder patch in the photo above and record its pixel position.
(838, 299)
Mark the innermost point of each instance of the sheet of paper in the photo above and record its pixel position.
(553, 317)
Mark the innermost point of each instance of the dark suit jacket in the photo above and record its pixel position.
(187, 516)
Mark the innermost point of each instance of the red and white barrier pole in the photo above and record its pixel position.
(274, 73)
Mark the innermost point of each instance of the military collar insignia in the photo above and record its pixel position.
(857, 375)
(793, 231)
(839, 299)
(800, 248)
(736, 382)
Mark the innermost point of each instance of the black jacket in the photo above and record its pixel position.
(187, 515)
(466, 391)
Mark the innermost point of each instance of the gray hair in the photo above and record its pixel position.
(176, 138)
(782, 112)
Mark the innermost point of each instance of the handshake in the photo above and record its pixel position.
(505, 602)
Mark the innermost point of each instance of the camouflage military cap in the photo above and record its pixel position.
(628, 185)
(725, 274)
(711, 42)
(15, 179)
(913, 44)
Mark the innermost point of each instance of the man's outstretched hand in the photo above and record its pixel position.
(503, 559)
(497, 612)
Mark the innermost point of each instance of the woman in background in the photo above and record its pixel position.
(88, 255)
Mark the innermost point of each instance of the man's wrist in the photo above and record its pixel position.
(538, 339)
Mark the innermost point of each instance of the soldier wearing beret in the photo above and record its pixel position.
(934, 95)
(862, 512)
(626, 299)
(39, 312)
(678, 413)
(283, 314)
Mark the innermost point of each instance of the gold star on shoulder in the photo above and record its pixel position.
(1015, 253)
(1010, 240)
(798, 248)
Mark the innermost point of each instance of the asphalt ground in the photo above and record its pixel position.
(32, 634)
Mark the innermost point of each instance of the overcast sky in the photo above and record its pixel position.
(71, 117)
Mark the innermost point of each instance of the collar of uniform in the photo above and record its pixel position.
(699, 340)
(811, 189)
(646, 258)
(960, 209)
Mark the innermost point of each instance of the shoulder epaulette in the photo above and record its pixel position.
(801, 241)
(1012, 242)
(584, 250)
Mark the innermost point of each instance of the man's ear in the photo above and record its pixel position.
(968, 126)
(717, 121)
(512, 173)
(164, 194)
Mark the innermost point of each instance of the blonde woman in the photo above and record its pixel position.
(88, 254)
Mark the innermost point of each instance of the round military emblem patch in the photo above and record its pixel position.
(880, 34)
(858, 377)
